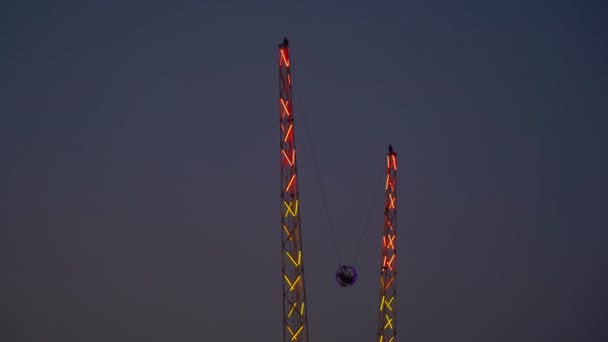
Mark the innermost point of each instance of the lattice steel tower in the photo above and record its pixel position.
(295, 326)
(387, 322)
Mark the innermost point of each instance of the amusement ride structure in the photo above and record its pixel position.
(295, 325)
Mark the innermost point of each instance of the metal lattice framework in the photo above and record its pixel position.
(387, 322)
(295, 327)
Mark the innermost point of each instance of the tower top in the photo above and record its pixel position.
(285, 43)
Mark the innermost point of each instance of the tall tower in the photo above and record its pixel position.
(387, 325)
(295, 326)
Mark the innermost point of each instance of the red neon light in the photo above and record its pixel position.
(293, 177)
(392, 205)
(288, 134)
(284, 58)
(391, 238)
(389, 283)
(390, 225)
(285, 107)
(387, 263)
(287, 158)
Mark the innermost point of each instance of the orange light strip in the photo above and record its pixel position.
(391, 239)
(392, 205)
(288, 233)
(388, 262)
(293, 177)
(390, 225)
(284, 58)
(288, 134)
(293, 157)
(285, 107)
(387, 181)
(389, 283)
(394, 163)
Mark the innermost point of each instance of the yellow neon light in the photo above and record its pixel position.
(381, 338)
(388, 304)
(392, 338)
(299, 257)
(291, 310)
(292, 259)
(382, 303)
(302, 310)
(293, 212)
(297, 332)
(286, 279)
(294, 283)
(389, 322)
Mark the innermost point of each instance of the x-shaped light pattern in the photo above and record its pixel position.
(293, 211)
(293, 157)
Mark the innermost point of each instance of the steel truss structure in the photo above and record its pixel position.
(387, 322)
(295, 326)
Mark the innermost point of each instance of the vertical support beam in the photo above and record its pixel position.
(387, 319)
(295, 327)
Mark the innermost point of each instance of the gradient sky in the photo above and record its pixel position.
(140, 185)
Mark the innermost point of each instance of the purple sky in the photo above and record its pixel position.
(139, 179)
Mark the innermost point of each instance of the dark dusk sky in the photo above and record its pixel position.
(139, 180)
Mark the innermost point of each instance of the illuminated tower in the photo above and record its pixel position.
(295, 327)
(387, 325)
